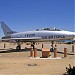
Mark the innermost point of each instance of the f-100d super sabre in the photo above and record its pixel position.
(45, 34)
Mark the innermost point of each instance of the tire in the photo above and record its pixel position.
(18, 48)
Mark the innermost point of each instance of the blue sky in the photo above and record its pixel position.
(26, 15)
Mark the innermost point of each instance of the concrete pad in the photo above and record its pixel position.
(6, 49)
(45, 58)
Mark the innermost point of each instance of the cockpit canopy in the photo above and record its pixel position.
(49, 29)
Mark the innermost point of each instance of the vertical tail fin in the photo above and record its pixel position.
(7, 31)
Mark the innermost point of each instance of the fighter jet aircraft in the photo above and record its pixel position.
(45, 34)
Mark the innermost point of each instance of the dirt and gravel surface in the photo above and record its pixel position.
(20, 63)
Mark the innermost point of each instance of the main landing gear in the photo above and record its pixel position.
(18, 47)
(52, 49)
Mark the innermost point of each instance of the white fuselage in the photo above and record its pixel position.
(45, 35)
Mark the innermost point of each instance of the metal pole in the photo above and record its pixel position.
(4, 45)
(73, 48)
(55, 52)
(35, 52)
(42, 45)
(31, 53)
(65, 52)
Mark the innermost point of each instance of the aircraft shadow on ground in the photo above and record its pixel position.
(67, 53)
(15, 50)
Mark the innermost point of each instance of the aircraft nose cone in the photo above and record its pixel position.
(71, 34)
(74, 34)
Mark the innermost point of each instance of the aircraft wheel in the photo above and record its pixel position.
(18, 48)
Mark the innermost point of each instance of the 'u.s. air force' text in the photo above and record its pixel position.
(53, 36)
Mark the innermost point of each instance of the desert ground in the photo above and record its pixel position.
(20, 63)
